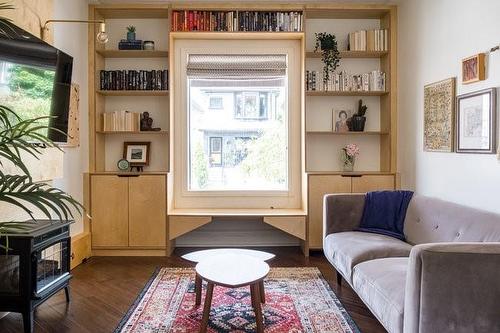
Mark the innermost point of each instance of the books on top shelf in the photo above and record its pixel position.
(121, 121)
(369, 40)
(343, 81)
(196, 20)
(134, 80)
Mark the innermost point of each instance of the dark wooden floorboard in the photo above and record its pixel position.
(103, 289)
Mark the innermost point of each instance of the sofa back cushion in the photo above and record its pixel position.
(431, 220)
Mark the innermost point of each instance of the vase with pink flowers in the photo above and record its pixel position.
(349, 154)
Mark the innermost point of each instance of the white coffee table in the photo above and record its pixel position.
(201, 255)
(233, 270)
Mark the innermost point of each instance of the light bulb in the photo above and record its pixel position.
(102, 36)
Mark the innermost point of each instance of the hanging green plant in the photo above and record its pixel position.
(330, 54)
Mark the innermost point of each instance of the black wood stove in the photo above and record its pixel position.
(35, 268)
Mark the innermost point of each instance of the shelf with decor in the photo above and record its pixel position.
(132, 53)
(133, 92)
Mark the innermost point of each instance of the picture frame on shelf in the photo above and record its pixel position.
(340, 121)
(439, 112)
(473, 68)
(137, 153)
(476, 122)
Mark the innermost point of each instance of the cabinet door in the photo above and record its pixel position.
(319, 185)
(147, 211)
(367, 183)
(109, 210)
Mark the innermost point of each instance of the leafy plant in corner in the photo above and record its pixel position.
(20, 190)
(358, 120)
(330, 54)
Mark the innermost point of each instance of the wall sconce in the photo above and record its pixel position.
(101, 37)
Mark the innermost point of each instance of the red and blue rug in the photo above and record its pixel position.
(297, 300)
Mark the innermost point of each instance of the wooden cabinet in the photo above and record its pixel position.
(109, 211)
(128, 211)
(147, 211)
(319, 185)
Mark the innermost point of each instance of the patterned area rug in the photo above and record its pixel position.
(297, 300)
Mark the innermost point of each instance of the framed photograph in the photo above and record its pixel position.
(439, 106)
(340, 118)
(137, 153)
(476, 122)
(473, 69)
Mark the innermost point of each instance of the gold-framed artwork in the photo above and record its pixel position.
(473, 69)
(439, 110)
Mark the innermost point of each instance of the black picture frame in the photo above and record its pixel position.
(469, 122)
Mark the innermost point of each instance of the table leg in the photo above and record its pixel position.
(197, 289)
(262, 292)
(254, 291)
(206, 307)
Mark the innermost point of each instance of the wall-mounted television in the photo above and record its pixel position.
(35, 80)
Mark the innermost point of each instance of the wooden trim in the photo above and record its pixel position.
(346, 93)
(234, 35)
(238, 6)
(180, 225)
(132, 53)
(350, 174)
(236, 212)
(293, 225)
(347, 133)
(80, 248)
(132, 132)
(132, 92)
(128, 253)
(351, 54)
(119, 11)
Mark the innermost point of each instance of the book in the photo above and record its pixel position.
(133, 80)
(121, 121)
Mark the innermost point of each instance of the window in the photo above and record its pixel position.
(243, 146)
(215, 102)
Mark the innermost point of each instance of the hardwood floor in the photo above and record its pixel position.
(103, 289)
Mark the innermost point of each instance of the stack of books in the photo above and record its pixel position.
(195, 20)
(121, 121)
(369, 40)
(134, 80)
(126, 44)
(343, 81)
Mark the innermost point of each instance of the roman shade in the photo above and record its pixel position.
(236, 66)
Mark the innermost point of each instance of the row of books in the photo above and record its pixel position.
(121, 121)
(134, 80)
(369, 40)
(343, 81)
(195, 20)
(125, 44)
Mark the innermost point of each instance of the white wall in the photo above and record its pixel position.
(434, 35)
(72, 39)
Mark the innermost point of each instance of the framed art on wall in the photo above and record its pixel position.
(137, 153)
(473, 69)
(476, 122)
(439, 105)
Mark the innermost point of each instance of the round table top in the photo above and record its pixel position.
(232, 270)
(198, 256)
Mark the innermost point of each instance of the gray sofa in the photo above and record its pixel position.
(444, 278)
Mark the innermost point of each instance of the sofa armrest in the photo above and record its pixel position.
(453, 287)
(342, 212)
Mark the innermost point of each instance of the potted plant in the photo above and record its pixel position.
(358, 120)
(348, 155)
(330, 55)
(131, 32)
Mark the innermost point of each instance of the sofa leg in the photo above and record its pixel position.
(339, 279)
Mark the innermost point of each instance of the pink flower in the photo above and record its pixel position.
(351, 150)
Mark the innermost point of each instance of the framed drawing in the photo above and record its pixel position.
(137, 153)
(340, 120)
(439, 105)
(473, 69)
(476, 122)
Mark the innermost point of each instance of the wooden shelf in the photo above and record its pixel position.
(352, 54)
(124, 174)
(135, 11)
(133, 132)
(350, 174)
(340, 11)
(132, 54)
(346, 133)
(236, 212)
(346, 93)
(133, 92)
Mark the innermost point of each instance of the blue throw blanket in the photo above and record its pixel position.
(384, 213)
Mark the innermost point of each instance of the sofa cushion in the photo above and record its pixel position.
(431, 220)
(345, 250)
(380, 283)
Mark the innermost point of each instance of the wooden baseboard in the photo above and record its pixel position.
(128, 253)
(80, 248)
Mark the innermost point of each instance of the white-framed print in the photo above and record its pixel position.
(476, 122)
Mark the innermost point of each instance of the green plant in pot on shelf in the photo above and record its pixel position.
(20, 190)
(131, 32)
(330, 54)
(358, 120)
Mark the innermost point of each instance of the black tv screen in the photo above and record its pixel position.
(35, 80)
